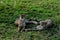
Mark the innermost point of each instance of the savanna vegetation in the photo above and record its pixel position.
(35, 9)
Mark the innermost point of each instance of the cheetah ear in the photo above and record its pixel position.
(23, 15)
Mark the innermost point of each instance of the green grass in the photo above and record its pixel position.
(38, 9)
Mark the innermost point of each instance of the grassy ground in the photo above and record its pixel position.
(38, 9)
